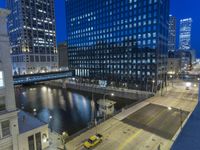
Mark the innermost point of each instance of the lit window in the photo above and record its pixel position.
(1, 79)
(5, 127)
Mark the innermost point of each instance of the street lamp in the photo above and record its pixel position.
(104, 98)
(188, 85)
(63, 139)
(50, 123)
(153, 82)
(181, 120)
(181, 114)
(34, 111)
(169, 108)
(171, 77)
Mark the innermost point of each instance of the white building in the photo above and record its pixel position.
(185, 34)
(18, 130)
(8, 113)
(33, 133)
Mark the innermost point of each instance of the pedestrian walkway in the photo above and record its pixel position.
(189, 137)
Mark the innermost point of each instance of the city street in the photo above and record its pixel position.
(157, 119)
(196, 69)
(150, 125)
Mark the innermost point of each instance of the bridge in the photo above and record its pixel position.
(33, 78)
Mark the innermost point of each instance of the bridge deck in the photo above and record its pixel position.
(31, 78)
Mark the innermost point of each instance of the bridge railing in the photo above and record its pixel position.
(42, 77)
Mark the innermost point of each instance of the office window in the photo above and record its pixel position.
(5, 127)
(38, 141)
(2, 103)
(1, 79)
(31, 143)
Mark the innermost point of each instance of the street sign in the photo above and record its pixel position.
(103, 83)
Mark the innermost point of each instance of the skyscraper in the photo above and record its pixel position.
(31, 26)
(62, 55)
(172, 34)
(185, 34)
(119, 41)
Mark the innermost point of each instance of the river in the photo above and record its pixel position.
(63, 109)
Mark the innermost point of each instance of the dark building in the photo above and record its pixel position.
(62, 55)
(119, 41)
(31, 27)
(185, 58)
(172, 34)
(174, 64)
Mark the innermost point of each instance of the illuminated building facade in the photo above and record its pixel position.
(185, 34)
(172, 34)
(31, 27)
(119, 41)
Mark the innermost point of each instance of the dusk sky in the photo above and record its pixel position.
(179, 8)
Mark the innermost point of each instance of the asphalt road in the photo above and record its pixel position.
(158, 120)
(146, 126)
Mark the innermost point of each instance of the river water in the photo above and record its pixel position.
(63, 109)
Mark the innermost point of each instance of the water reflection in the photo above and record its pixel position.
(69, 110)
(64, 110)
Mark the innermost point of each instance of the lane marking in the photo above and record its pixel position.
(121, 147)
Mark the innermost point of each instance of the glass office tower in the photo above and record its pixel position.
(122, 42)
(31, 27)
(185, 34)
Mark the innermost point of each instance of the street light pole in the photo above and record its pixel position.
(104, 98)
(181, 119)
(63, 139)
(153, 81)
(181, 116)
(161, 88)
(171, 77)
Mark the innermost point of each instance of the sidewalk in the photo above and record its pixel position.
(54, 141)
(189, 137)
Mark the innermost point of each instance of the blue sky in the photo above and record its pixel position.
(179, 8)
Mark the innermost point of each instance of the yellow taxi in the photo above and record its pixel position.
(93, 141)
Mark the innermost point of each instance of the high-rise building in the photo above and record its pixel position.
(31, 26)
(185, 34)
(8, 113)
(172, 34)
(62, 55)
(119, 41)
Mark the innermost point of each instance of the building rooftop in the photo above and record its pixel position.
(28, 122)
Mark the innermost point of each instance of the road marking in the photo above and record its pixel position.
(121, 147)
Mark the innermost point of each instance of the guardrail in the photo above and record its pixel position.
(31, 78)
